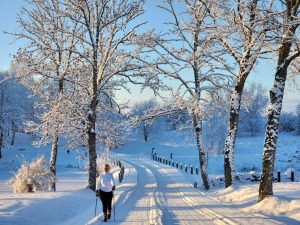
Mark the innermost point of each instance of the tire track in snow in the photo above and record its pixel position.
(213, 211)
(140, 198)
(176, 207)
(206, 214)
(167, 204)
(163, 195)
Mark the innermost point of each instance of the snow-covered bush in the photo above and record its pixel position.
(32, 177)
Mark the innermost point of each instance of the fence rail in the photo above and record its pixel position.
(195, 170)
(172, 163)
(122, 170)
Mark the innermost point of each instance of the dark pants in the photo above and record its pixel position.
(106, 198)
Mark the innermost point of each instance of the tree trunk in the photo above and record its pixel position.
(1, 144)
(13, 133)
(92, 152)
(145, 133)
(13, 137)
(53, 158)
(92, 135)
(1, 128)
(203, 166)
(235, 105)
(270, 143)
(274, 111)
(276, 97)
(54, 148)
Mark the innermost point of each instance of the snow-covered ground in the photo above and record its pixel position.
(153, 192)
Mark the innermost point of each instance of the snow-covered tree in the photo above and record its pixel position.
(215, 122)
(82, 52)
(185, 54)
(107, 58)
(15, 105)
(177, 120)
(242, 32)
(253, 108)
(288, 122)
(285, 21)
(46, 65)
(140, 111)
(111, 126)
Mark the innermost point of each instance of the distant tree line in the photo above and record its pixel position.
(16, 107)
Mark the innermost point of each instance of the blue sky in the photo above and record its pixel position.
(9, 8)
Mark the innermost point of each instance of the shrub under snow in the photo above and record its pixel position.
(33, 177)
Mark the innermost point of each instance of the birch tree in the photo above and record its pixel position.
(46, 64)
(242, 32)
(286, 36)
(184, 55)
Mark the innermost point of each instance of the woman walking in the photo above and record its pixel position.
(104, 189)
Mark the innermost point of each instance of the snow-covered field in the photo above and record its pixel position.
(156, 193)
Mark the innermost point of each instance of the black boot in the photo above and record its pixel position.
(105, 216)
(108, 215)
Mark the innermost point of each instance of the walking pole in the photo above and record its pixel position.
(114, 207)
(96, 205)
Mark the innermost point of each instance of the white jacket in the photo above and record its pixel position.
(105, 182)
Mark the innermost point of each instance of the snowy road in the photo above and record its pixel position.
(151, 193)
(162, 195)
